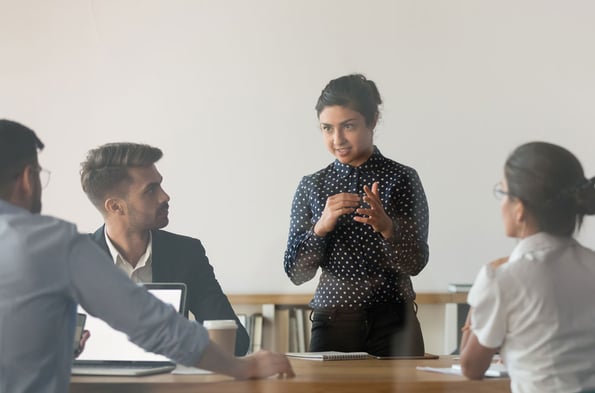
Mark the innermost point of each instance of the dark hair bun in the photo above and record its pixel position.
(354, 91)
(585, 197)
(373, 90)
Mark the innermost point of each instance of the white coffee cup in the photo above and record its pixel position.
(223, 333)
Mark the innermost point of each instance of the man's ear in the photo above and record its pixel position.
(26, 180)
(114, 206)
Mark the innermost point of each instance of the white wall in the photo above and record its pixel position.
(227, 89)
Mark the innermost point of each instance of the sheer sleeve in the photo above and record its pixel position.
(305, 251)
(407, 250)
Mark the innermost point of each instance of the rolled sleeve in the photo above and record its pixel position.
(488, 315)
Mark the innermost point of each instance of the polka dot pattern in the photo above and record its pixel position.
(359, 267)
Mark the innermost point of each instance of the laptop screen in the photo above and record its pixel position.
(107, 344)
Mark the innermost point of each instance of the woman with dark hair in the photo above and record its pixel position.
(537, 307)
(363, 220)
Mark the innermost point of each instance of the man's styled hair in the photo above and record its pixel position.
(106, 168)
(18, 148)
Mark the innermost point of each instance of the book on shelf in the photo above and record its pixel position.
(301, 329)
(282, 330)
(292, 329)
(459, 287)
(329, 355)
(256, 322)
(243, 318)
(293, 333)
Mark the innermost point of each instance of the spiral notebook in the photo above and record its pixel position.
(329, 355)
(336, 355)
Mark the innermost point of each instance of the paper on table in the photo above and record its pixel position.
(495, 370)
(441, 370)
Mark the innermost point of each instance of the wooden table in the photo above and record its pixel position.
(353, 376)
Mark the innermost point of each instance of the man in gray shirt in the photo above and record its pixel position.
(47, 267)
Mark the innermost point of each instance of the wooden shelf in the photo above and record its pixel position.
(275, 309)
(290, 299)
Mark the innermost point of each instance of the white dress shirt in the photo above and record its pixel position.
(539, 308)
(142, 272)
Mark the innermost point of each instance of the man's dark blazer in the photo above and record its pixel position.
(177, 258)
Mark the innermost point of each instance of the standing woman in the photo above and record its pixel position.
(538, 307)
(363, 220)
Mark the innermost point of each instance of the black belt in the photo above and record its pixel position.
(361, 314)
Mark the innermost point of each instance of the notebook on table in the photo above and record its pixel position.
(109, 352)
(336, 355)
(329, 355)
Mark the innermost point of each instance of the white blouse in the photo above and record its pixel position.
(539, 307)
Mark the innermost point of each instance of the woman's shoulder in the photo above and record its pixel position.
(404, 174)
(388, 164)
(506, 271)
(405, 169)
(497, 270)
(493, 280)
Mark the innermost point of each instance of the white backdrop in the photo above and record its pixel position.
(227, 89)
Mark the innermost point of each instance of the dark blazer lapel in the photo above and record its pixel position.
(99, 237)
(163, 270)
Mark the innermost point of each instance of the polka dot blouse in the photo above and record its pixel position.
(359, 267)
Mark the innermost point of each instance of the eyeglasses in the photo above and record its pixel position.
(499, 193)
(44, 176)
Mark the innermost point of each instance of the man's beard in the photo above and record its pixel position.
(36, 206)
(36, 203)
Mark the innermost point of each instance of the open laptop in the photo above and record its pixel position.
(109, 352)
